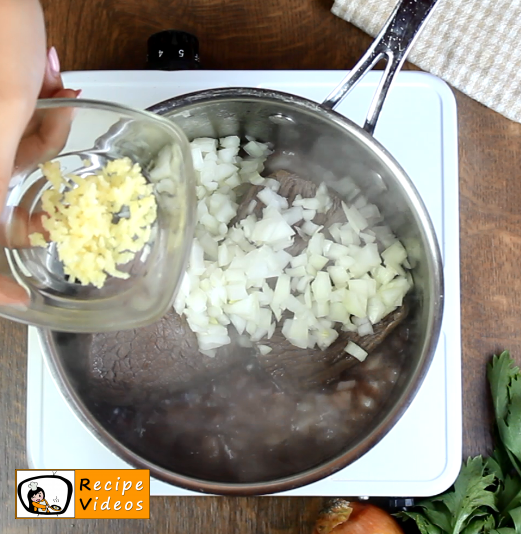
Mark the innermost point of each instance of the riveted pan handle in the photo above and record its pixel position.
(393, 43)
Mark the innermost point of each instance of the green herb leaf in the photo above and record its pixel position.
(509, 496)
(505, 386)
(470, 492)
(515, 514)
(510, 426)
(437, 513)
(479, 525)
(500, 372)
(423, 524)
(499, 463)
(486, 497)
(472, 498)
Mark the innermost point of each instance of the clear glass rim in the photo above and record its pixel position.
(90, 323)
(101, 105)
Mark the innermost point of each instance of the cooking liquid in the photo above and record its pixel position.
(240, 427)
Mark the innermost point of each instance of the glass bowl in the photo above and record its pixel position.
(83, 136)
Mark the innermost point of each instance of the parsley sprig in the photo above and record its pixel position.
(486, 497)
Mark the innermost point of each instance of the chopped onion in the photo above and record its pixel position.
(318, 261)
(293, 215)
(355, 219)
(308, 203)
(367, 238)
(339, 275)
(316, 244)
(365, 330)
(280, 295)
(308, 215)
(395, 254)
(304, 284)
(255, 149)
(336, 251)
(297, 272)
(354, 350)
(232, 141)
(321, 287)
(299, 261)
(338, 313)
(392, 293)
(271, 228)
(228, 155)
(236, 292)
(247, 308)
(325, 336)
(296, 332)
(367, 288)
(238, 322)
(310, 228)
(204, 144)
(242, 277)
(355, 303)
(270, 198)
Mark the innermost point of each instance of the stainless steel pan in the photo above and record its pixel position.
(319, 144)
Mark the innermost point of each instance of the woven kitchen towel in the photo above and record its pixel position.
(474, 45)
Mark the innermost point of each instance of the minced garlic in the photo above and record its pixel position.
(102, 221)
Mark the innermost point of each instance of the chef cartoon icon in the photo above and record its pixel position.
(36, 497)
(31, 493)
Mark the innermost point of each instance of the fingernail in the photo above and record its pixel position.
(78, 92)
(54, 61)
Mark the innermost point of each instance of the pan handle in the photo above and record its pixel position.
(393, 43)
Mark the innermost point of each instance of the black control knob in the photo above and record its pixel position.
(173, 50)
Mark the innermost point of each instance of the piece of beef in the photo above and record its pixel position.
(152, 362)
(295, 368)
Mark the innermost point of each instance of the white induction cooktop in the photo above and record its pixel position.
(422, 454)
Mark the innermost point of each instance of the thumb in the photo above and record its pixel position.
(14, 117)
(16, 225)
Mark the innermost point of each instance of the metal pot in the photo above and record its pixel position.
(316, 143)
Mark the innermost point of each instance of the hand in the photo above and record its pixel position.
(26, 73)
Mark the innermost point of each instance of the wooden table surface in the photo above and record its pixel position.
(289, 34)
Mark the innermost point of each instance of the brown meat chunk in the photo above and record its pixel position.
(135, 365)
(298, 368)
